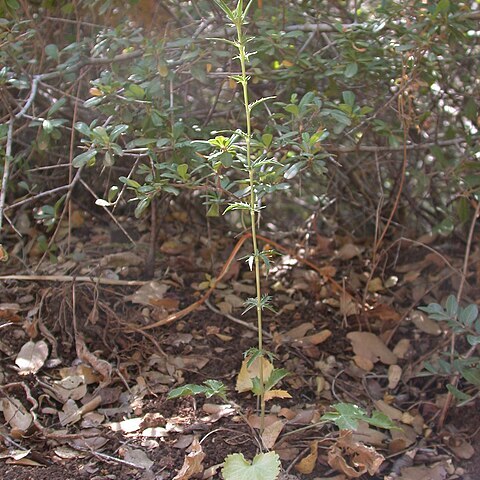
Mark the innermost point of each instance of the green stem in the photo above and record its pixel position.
(253, 219)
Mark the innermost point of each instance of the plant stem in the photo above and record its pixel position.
(253, 202)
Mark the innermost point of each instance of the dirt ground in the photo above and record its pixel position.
(98, 357)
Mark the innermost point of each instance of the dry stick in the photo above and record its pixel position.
(70, 161)
(109, 213)
(454, 380)
(72, 278)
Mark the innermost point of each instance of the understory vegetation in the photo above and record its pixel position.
(161, 161)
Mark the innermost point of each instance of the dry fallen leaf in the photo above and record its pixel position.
(244, 379)
(31, 357)
(138, 458)
(349, 251)
(425, 324)
(307, 464)
(437, 472)
(276, 394)
(192, 463)
(368, 345)
(394, 376)
(15, 414)
(271, 433)
(151, 292)
(353, 458)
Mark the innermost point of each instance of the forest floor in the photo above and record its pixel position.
(84, 386)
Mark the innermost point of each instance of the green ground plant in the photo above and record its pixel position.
(464, 323)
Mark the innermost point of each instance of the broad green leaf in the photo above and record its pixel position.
(349, 97)
(83, 128)
(51, 51)
(182, 170)
(468, 315)
(215, 387)
(137, 91)
(130, 182)
(459, 395)
(473, 339)
(56, 106)
(186, 391)
(141, 206)
(293, 170)
(117, 130)
(472, 375)
(451, 306)
(351, 70)
(265, 466)
(379, 419)
(267, 139)
(84, 158)
(345, 416)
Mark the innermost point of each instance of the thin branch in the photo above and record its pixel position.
(412, 146)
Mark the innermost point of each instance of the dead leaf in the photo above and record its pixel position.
(314, 339)
(276, 394)
(121, 259)
(89, 439)
(368, 345)
(385, 313)
(190, 362)
(438, 472)
(353, 458)
(244, 379)
(348, 306)
(460, 447)
(375, 285)
(146, 294)
(298, 332)
(70, 413)
(174, 247)
(364, 363)
(15, 414)
(31, 357)
(349, 251)
(425, 324)
(138, 458)
(73, 387)
(99, 365)
(401, 348)
(391, 412)
(394, 376)
(271, 433)
(192, 463)
(307, 464)
(216, 412)
(368, 435)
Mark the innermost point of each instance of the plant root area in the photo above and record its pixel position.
(84, 383)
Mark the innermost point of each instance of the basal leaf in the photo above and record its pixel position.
(265, 466)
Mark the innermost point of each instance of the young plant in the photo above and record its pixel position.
(463, 322)
(257, 373)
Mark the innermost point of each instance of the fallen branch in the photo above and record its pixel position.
(72, 278)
